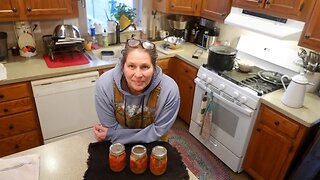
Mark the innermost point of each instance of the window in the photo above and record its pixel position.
(100, 11)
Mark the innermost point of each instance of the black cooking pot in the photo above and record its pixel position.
(221, 58)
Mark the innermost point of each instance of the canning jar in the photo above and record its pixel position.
(138, 159)
(117, 157)
(158, 160)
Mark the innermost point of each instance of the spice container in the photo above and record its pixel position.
(138, 159)
(158, 160)
(117, 157)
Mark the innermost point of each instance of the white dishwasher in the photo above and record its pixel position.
(65, 104)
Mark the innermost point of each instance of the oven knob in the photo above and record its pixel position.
(203, 76)
(221, 87)
(235, 94)
(209, 80)
(243, 99)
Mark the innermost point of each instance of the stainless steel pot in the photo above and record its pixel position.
(66, 31)
(221, 58)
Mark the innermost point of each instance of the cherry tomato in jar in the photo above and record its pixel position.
(138, 159)
(158, 160)
(117, 157)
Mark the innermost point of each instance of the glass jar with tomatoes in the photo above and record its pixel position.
(158, 160)
(138, 159)
(117, 157)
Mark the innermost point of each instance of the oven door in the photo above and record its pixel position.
(231, 123)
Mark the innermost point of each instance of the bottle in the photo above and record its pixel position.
(105, 40)
(117, 157)
(158, 160)
(138, 159)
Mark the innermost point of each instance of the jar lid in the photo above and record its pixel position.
(159, 152)
(117, 149)
(139, 150)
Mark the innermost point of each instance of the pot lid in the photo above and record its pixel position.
(300, 78)
(272, 77)
(225, 50)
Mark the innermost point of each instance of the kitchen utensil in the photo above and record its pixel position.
(294, 93)
(3, 45)
(174, 42)
(302, 53)
(221, 58)
(64, 31)
(273, 77)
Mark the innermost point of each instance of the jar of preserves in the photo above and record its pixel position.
(138, 159)
(117, 157)
(158, 160)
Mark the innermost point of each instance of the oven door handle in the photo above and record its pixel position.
(217, 96)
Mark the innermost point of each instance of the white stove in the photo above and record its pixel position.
(235, 106)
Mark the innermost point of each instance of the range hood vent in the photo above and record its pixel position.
(265, 24)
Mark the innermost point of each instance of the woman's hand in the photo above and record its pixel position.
(100, 132)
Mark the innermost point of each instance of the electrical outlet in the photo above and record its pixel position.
(35, 26)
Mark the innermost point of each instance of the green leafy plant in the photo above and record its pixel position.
(123, 9)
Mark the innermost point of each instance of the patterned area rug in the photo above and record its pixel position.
(197, 157)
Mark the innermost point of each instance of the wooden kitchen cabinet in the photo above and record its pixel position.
(293, 9)
(184, 75)
(164, 65)
(19, 124)
(310, 37)
(15, 10)
(215, 10)
(184, 7)
(274, 143)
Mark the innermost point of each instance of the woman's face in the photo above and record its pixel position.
(138, 70)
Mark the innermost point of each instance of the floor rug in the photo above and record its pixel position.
(197, 157)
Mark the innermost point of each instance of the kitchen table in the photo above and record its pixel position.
(66, 158)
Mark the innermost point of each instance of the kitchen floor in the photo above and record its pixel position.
(235, 176)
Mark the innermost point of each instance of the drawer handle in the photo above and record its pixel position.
(1, 96)
(186, 71)
(258, 129)
(276, 123)
(11, 126)
(17, 146)
(5, 110)
(29, 9)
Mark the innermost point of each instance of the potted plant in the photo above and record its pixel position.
(124, 15)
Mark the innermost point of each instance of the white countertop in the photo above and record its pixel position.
(66, 159)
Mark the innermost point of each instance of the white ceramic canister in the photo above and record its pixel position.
(26, 42)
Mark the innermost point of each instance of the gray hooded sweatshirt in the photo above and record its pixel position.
(166, 110)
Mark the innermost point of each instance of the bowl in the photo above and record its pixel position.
(65, 31)
(245, 65)
(174, 42)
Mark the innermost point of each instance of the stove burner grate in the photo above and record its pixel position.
(259, 85)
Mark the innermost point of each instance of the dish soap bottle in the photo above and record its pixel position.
(105, 40)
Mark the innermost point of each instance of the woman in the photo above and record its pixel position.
(135, 101)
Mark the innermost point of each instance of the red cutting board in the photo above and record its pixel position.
(66, 60)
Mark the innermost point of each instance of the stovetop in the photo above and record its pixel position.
(250, 80)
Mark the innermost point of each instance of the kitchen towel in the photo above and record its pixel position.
(17, 168)
(207, 120)
(3, 72)
(98, 163)
(71, 59)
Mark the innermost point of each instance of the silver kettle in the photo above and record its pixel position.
(295, 92)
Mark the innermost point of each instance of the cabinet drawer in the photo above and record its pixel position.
(15, 106)
(19, 143)
(14, 91)
(18, 123)
(278, 122)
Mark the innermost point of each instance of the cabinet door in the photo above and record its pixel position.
(290, 7)
(187, 7)
(39, 9)
(311, 35)
(215, 10)
(9, 10)
(186, 89)
(266, 153)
